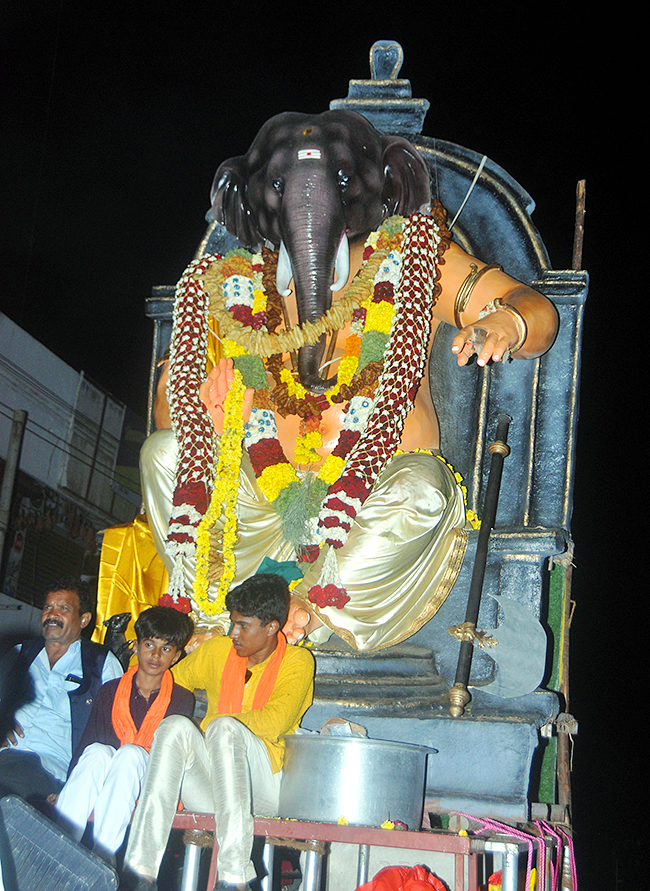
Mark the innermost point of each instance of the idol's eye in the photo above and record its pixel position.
(278, 185)
(343, 178)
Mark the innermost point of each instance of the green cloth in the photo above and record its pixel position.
(288, 569)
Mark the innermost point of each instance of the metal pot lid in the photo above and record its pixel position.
(318, 739)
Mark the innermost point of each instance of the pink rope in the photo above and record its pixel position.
(504, 829)
(556, 868)
(543, 828)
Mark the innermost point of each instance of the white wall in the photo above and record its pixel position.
(18, 620)
(63, 447)
(33, 379)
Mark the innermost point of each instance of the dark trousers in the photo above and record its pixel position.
(21, 773)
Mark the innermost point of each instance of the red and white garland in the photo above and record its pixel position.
(404, 365)
(190, 422)
(425, 237)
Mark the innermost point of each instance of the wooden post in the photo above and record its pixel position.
(579, 231)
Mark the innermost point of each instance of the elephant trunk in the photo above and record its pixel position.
(314, 245)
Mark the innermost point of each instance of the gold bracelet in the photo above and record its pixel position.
(465, 290)
(522, 327)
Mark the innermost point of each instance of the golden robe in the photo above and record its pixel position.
(397, 566)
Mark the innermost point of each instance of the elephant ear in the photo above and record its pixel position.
(406, 177)
(230, 204)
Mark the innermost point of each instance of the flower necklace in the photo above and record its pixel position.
(318, 511)
(298, 501)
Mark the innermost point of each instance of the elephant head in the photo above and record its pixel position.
(307, 184)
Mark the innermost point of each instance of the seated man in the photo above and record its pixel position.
(65, 671)
(258, 690)
(109, 763)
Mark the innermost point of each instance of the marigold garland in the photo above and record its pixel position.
(375, 313)
(224, 499)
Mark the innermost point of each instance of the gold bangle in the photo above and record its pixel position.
(522, 327)
(465, 290)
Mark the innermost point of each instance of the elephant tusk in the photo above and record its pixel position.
(284, 272)
(342, 264)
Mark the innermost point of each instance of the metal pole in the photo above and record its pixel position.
(363, 864)
(191, 864)
(100, 430)
(563, 738)
(11, 469)
(312, 871)
(458, 695)
(510, 868)
(268, 859)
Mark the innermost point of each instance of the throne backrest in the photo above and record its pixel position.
(540, 396)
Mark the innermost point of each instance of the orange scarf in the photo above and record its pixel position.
(121, 713)
(233, 680)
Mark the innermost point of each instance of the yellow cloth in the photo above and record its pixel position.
(131, 574)
(291, 697)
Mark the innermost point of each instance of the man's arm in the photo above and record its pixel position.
(531, 315)
(198, 668)
(112, 668)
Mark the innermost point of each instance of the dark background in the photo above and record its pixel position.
(114, 118)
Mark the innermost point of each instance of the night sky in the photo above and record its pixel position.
(114, 119)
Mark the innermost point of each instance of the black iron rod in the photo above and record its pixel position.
(499, 450)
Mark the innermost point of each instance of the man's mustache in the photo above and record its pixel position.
(57, 622)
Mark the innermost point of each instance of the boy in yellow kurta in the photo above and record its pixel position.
(258, 689)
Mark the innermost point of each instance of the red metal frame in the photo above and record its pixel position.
(425, 840)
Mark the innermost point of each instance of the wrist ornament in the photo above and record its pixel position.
(465, 290)
(522, 328)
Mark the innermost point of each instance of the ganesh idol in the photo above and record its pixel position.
(296, 424)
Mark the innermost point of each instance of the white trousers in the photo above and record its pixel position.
(106, 781)
(227, 772)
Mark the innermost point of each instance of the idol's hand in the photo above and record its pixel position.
(300, 622)
(490, 338)
(214, 389)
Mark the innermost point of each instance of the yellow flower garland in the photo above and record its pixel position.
(306, 445)
(379, 317)
(224, 497)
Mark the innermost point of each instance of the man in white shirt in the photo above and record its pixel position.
(64, 672)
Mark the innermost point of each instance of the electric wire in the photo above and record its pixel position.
(68, 449)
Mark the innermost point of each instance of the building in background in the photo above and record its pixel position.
(77, 472)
